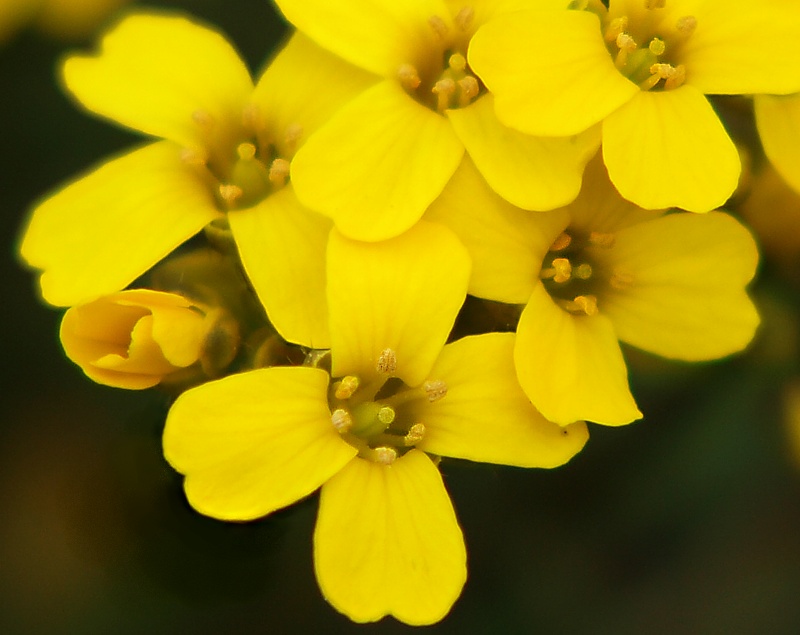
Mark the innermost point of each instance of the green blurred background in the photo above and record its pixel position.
(686, 522)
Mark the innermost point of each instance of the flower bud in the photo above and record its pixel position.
(135, 338)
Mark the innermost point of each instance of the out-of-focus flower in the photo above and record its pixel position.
(642, 68)
(377, 164)
(68, 19)
(597, 271)
(369, 432)
(226, 148)
(136, 338)
(778, 121)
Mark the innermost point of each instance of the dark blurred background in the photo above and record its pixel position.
(686, 522)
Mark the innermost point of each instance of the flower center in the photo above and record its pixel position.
(646, 45)
(381, 418)
(442, 79)
(575, 271)
(247, 163)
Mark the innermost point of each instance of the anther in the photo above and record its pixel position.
(686, 25)
(586, 304)
(438, 25)
(203, 118)
(562, 241)
(464, 18)
(583, 271)
(602, 239)
(387, 362)
(279, 172)
(443, 89)
(676, 78)
(563, 270)
(615, 28)
(384, 455)
(469, 90)
(251, 117)
(435, 389)
(408, 76)
(346, 387)
(341, 420)
(655, 4)
(230, 193)
(415, 434)
(457, 62)
(621, 279)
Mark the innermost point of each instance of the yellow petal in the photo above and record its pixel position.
(377, 164)
(282, 247)
(535, 173)
(778, 120)
(166, 76)
(287, 96)
(98, 234)
(254, 442)
(571, 366)
(687, 299)
(387, 542)
(550, 72)
(485, 416)
(402, 294)
(506, 244)
(753, 48)
(669, 149)
(376, 35)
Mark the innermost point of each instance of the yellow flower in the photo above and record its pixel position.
(368, 433)
(642, 68)
(778, 121)
(60, 18)
(135, 339)
(597, 271)
(226, 148)
(377, 164)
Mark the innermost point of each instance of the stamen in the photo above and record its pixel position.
(563, 270)
(203, 119)
(383, 455)
(415, 434)
(346, 387)
(686, 25)
(583, 272)
(292, 136)
(443, 89)
(438, 25)
(621, 279)
(676, 78)
(194, 156)
(408, 76)
(341, 420)
(562, 241)
(615, 28)
(279, 172)
(626, 45)
(585, 304)
(655, 4)
(602, 239)
(464, 18)
(230, 193)
(435, 389)
(387, 362)
(469, 90)
(657, 73)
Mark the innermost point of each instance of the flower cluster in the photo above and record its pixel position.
(292, 256)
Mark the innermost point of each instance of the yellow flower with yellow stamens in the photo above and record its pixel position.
(224, 156)
(597, 272)
(370, 430)
(642, 68)
(378, 163)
